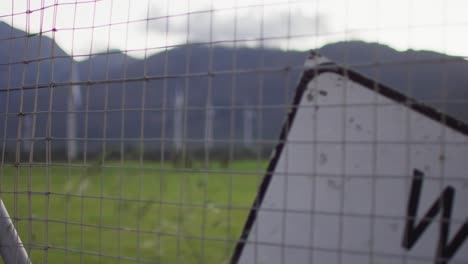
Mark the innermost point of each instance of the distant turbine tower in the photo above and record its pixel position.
(209, 118)
(248, 117)
(74, 101)
(178, 120)
(26, 133)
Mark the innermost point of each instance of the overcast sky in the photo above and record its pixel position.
(439, 25)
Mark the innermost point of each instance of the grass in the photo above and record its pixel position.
(131, 212)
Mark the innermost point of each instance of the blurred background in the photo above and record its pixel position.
(138, 131)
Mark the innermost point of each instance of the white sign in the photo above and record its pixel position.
(362, 174)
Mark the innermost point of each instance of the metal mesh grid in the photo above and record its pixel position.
(141, 132)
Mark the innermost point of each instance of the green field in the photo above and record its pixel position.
(131, 212)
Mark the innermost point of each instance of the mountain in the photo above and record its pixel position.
(116, 87)
(424, 75)
(28, 63)
(231, 90)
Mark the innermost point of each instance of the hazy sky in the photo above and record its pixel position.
(439, 25)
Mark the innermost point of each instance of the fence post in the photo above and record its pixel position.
(11, 247)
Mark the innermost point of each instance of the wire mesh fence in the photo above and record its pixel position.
(206, 132)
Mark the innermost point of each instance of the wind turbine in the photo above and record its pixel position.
(178, 120)
(248, 118)
(74, 102)
(27, 133)
(209, 118)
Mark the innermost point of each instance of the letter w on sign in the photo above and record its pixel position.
(444, 204)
